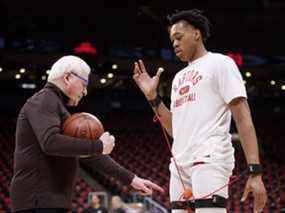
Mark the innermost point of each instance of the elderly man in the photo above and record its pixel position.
(45, 161)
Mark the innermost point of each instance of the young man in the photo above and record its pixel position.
(45, 161)
(204, 95)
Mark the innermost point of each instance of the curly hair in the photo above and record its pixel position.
(195, 18)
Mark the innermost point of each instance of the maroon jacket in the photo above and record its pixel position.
(45, 161)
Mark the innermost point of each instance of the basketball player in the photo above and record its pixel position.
(45, 161)
(204, 95)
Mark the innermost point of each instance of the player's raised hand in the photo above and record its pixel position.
(147, 84)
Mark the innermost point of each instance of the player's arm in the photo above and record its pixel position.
(232, 90)
(149, 86)
(162, 112)
(242, 117)
(241, 114)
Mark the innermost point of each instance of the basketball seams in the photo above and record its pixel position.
(76, 131)
(93, 136)
(82, 127)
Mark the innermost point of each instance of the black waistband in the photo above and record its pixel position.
(215, 202)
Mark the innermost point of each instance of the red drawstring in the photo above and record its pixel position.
(155, 119)
(187, 192)
(233, 180)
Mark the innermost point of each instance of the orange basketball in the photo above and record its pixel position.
(83, 125)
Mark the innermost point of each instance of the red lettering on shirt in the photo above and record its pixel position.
(187, 98)
(191, 76)
(184, 90)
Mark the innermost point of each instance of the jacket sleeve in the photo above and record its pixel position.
(106, 165)
(43, 115)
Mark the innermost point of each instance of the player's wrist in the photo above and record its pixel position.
(255, 169)
(151, 96)
(155, 102)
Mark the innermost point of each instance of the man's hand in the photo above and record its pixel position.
(145, 187)
(255, 185)
(108, 143)
(147, 84)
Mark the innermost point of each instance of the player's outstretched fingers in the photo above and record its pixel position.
(137, 69)
(245, 193)
(159, 71)
(142, 66)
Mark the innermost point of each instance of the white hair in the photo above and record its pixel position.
(67, 64)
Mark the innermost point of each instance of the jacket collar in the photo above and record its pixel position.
(64, 98)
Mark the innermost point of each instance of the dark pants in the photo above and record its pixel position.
(55, 210)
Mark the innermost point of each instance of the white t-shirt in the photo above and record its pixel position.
(200, 115)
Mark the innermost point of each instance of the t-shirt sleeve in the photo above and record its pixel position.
(230, 82)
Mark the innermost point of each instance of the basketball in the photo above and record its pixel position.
(83, 125)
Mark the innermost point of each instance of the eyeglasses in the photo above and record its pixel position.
(86, 81)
